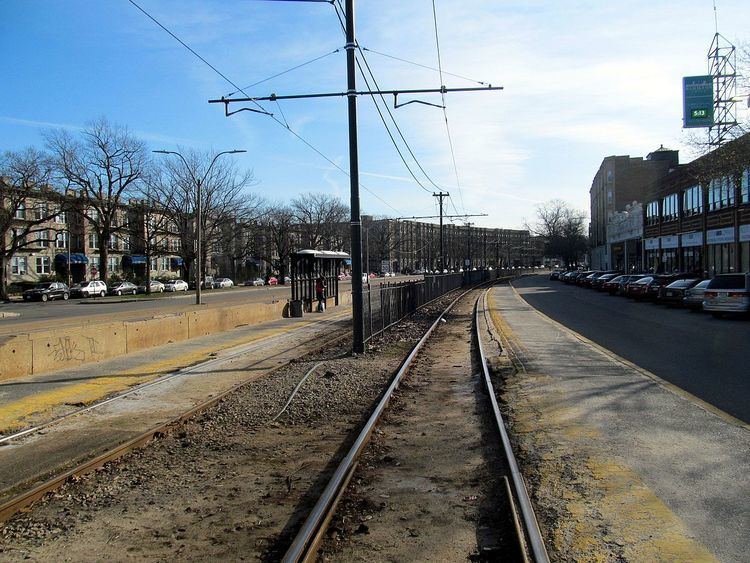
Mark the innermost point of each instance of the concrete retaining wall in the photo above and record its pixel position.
(38, 352)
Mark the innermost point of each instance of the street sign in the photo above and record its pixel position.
(697, 101)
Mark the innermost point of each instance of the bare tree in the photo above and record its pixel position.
(563, 230)
(320, 218)
(382, 236)
(224, 200)
(278, 225)
(105, 164)
(27, 204)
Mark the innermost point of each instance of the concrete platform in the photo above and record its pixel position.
(622, 454)
(167, 387)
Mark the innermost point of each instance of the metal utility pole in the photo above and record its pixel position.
(358, 334)
(351, 95)
(441, 196)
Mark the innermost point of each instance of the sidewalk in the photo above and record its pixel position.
(236, 356)
(619, 464)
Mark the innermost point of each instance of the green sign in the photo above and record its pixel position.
(697, 101)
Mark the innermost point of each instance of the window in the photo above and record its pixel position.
(669, 207)
(720, 193)
(126, 243)
(745, 186)
(18, 265)
(40, 211)
(19, 236)
(61, 217)
(165, 264)
(61, 240)
(93, 240)
(113, 264)
(692, 201)
(42, 265)
(42, 238)
(652, 213)
(114, 242)
(154, 264)
(21, 211)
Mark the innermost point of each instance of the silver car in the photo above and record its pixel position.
(727, 293)
(693, 298)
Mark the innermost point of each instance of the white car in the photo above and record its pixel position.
(220, 283)
(258, 281)
(176, 285)
(156, 287)
(89, 289)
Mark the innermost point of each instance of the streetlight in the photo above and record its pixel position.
(198, 231)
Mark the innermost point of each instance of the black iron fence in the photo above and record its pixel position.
(387, 303)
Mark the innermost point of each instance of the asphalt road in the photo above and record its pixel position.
(705, 356)
(119, 308)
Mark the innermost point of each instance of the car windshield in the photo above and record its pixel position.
(619, 279)
(702, 285)
(85, 284)
(46, 285)
(644, 281)
(728, 281)
(682, 283)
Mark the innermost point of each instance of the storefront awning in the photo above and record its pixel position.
(177, 262)
(133, 260)
(74, 258)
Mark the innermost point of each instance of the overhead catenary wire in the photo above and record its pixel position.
(407, 61)
(273, 117)
(445, 113)
(283, 72)
(337, 6)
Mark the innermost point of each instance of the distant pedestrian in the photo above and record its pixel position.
(320, 294)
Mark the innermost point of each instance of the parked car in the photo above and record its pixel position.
(727, 293)
(89, 289)
(256, 281)
(673, 293)
(176, 285)
(653, 288)
(638, 289)
(46, 291)
(155, 285)
(693, 299)
(222, 283)
(555, 275)
(598, 282)
(625, 283)
(287, 279)
(122, 288)
(273, 281)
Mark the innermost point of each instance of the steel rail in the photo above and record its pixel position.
(308, 539)
(240, 350)
(27, 498)
(533, 533)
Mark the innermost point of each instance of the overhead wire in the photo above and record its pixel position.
(424, 66)
(445, 113)
(337, 6)
(273, 117)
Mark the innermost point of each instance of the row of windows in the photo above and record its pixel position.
(720, 195)
(19, 265)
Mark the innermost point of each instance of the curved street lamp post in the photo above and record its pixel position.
(198, 210)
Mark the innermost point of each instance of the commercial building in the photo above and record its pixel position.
(698, 216)
(618, 186)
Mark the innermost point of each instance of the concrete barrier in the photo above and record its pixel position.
(15, 356)
(52, 350)
(38, 352)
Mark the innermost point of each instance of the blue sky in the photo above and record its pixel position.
(582, 79)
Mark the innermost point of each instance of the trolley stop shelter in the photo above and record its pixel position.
(309, 265)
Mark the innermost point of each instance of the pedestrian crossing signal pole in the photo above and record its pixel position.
(358, 333)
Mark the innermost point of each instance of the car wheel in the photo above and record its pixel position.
(44, 297)
(119, 293)
(65, 296)
(102, 294)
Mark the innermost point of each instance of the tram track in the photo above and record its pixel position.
(314, 532)
(276, 471)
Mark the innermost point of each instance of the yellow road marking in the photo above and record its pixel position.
(97, 387)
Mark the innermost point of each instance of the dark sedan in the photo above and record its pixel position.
(598, 282)
(47, 291)
(673, 293)
(639, 288)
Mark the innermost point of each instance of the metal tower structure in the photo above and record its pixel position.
(722, 66)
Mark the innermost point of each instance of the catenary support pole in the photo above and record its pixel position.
(358, 332)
